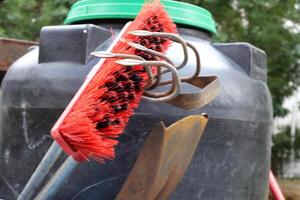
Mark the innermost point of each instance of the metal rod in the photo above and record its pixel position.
(158, 79)
(147, 94)
(177, 81)
(151, 51)
(176, 38)
(153, 84)
(166, 58)
(57, 180)
(171, 36)
(156, 54)
(198, 61)
(103, 54)
(197, 71)
(41, 171)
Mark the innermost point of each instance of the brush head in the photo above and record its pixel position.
(100, 110)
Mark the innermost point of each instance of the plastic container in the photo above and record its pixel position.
(232, 161)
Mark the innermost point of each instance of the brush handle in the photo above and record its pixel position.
(57, 180)
(41, 171)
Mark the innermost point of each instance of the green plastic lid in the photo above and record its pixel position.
(181, 13)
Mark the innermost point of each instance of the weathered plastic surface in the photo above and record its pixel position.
(231, 163)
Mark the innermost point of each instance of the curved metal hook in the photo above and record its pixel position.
(171, 36)
(197, 71)
(177, 81)
(103, 54)
(163, 56)
(155, 53)
(155, 80)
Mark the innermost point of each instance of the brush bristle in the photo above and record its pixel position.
(102, 111)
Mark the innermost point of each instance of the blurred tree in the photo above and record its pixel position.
(267, 24)
(297, 144)
(282, 146)
(281, 150)
(270, 25)
(24, 19)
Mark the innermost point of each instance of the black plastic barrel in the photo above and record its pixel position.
(231, 162)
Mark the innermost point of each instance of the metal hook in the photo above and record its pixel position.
(103, 54)
(159, 71)
(155, 80)
(171, 36)
(157, 83)
(161, 55)
(198, 67)
(177, 81)
(154, 53)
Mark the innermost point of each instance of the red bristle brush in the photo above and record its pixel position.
(101, 108)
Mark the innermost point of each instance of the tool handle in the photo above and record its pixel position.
(274, 188)
(41, 171)
(57, 180)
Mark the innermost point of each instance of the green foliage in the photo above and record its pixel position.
(261, 23)
(297, 144)
(24, 19)
(282, 148)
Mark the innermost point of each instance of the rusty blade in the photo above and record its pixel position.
(11, 50)
(208, 89)
(163, 159)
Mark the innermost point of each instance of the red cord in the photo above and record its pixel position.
(274, 188)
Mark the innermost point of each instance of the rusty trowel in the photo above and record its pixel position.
(163, 159)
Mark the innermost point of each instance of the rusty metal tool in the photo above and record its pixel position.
(163, 160)
(208, 86)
